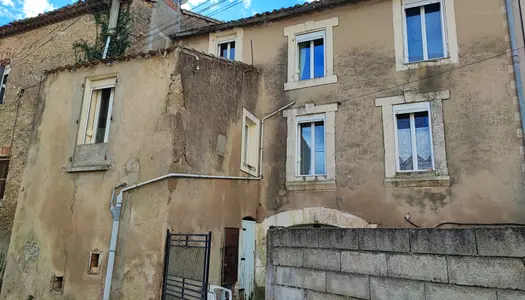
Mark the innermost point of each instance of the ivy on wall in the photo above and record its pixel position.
(120, 40)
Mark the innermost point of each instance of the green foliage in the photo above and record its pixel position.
(120, 40)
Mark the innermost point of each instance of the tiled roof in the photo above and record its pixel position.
(202, 17)
(65, 13)
(143, 55)
(265, 17)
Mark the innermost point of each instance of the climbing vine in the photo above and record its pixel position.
(120, 40)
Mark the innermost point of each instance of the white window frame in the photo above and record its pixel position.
(411, 109)
(234, 35)
(309, 37)
(228, 42)
(299, 31)
(309, 119)
(448, 25)
(421, 4)
(91, 86)
(7, 70)
(252, 166)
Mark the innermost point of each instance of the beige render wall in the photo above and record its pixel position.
(161, 123)
(483, 148)
(42, 53)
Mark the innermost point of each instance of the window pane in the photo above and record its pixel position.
(223, 50)
(319, 148)
(423, 145)
(434, 32)
(414, 34)
(306, 148)
(318, 58)
(246, 143)
(304, 60)
(404, 142)
(232, 51)
(103, 116)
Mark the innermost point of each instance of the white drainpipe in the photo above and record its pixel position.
(112, 24)
(116, 208)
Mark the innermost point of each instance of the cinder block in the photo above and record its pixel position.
(322, 259)
(418, 267)
(382, 288)
(339, 239)
(509, 241)
(288, 293)
(289, 276)
(454, 292)
(391, 239)
(348, 285)
(292, 257)
(311, 295)
(295, 238)
(510, 295)
(504, 273)
(314, 280)
(443, 241)
(368, 263)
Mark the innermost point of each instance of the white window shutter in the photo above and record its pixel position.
(415, 3)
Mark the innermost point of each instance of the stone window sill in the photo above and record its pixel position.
(310, 82)
(94, 168)
(427, 63)
(417, 180)
(319, 185)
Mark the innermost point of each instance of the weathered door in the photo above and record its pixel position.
(247, 260)
(230, 260)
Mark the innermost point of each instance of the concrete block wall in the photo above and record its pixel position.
(392, 264)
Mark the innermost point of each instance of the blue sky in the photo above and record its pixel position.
(18, 9)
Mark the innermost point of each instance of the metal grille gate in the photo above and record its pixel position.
(186, 266)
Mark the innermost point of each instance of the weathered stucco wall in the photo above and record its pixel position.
(482, 146)
(30, 53)
(161, 123)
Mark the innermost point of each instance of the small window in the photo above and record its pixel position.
(424, 38)
(250, 143)
(311, 146)
(96, 112)
(4, 73)
(414, 139)
(227, 50)
(4, 165)
(311, 55)
(57, 284)
(94, 262)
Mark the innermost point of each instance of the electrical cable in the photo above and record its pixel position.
(479, 224)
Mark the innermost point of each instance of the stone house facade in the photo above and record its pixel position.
(337, 113)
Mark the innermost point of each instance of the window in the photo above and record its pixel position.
(424, 31)
(413, 138)
(227, 50)
(57, 284)
(310, 54)
(4, 73)
(94, 262)
(311, 159)
(227, 44)
(310, 148)
(96, 111)
(4, 166)
(250, 143)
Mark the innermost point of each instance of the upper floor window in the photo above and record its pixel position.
(4, 165)
(96, 111)
(4, 73)
(413, 137)
(311, 160)
(250, 143)
(424, 31)
(226, 50)
(227, 44)
(310, 54)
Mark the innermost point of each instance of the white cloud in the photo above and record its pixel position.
(4, 12)
(247, 3)
(7, 3)
(32, 8)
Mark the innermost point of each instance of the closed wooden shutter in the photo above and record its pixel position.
(4, 165)
(230, 260)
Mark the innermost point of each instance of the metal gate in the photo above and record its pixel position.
(186, 266)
